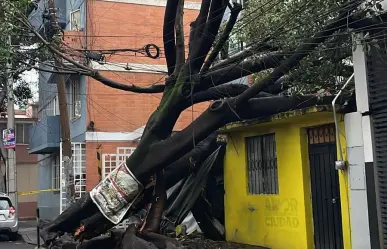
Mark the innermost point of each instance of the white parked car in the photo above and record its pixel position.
(9, 223)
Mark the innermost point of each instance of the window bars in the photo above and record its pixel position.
(262, 165)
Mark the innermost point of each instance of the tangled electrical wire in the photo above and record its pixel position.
(149, 50)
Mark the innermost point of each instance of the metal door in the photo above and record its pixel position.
(326, 207)
(377, 89)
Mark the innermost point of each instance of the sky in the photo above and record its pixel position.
(32, 77)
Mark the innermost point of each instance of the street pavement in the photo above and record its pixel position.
(26, 228)
(15, 245)
(27, 237)
(27, 231)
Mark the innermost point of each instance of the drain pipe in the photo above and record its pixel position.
(339, 165)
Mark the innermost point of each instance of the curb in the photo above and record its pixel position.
(28, 237)
(27, 218)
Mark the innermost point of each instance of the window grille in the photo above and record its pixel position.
(262, 165)
(56, 173)
(79, 168)
(110, 162)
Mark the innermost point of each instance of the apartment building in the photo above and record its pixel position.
(102, 119)
(26, 164)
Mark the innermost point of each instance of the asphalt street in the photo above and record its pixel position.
(5, 244)
(15, 245)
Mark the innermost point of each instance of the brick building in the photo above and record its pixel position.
(118, 117)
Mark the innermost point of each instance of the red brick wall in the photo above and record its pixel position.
(122, 25)
(92, 162)
(113, 25)
(116, 110)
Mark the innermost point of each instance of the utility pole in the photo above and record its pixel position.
(11, 160)
(64, 116)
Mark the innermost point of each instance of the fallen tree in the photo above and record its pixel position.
(197, 78)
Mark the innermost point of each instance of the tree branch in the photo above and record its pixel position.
(94, 73)
(219, 92)
(199, 25)
(217, 115)
(191, 38)
(152, 222)
(258, 48)
(265, 107)
(301, 52)
(222, 112)
(63, 70)
(181, 167)
(211, 29)
(180, 49)
(169, 34)
(53, 49)
(223, 37)
(156, 88)
(238, 70)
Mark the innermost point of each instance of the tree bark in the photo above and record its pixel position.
(223, 37)
(3, 152)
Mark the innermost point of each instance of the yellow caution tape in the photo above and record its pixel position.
(37, 191)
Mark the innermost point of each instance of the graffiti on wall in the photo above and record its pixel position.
(281, 212)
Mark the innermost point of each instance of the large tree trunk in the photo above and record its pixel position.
(185, 86)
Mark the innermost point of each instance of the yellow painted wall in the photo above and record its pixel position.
(281, 221)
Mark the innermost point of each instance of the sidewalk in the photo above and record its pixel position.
(27, 230)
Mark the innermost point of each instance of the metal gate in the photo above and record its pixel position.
(110, 162)
(377, 88)
(328, 233)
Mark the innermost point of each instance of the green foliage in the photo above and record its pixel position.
(287, 23)
(18, 51)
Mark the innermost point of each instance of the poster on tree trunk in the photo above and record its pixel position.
(9, 138)
(115, 194)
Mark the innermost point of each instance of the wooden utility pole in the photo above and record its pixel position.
(64, 116)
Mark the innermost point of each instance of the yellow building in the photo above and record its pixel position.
(282, 190)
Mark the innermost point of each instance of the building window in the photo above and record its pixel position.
(75, 95)
(111, 161)
(262, 165)
(79, 163)
(56, 173)
(75, 20)
(79, 167)
(52, 108)
(22, 134)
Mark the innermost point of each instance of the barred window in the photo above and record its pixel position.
(262, 165)
(56, 172)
